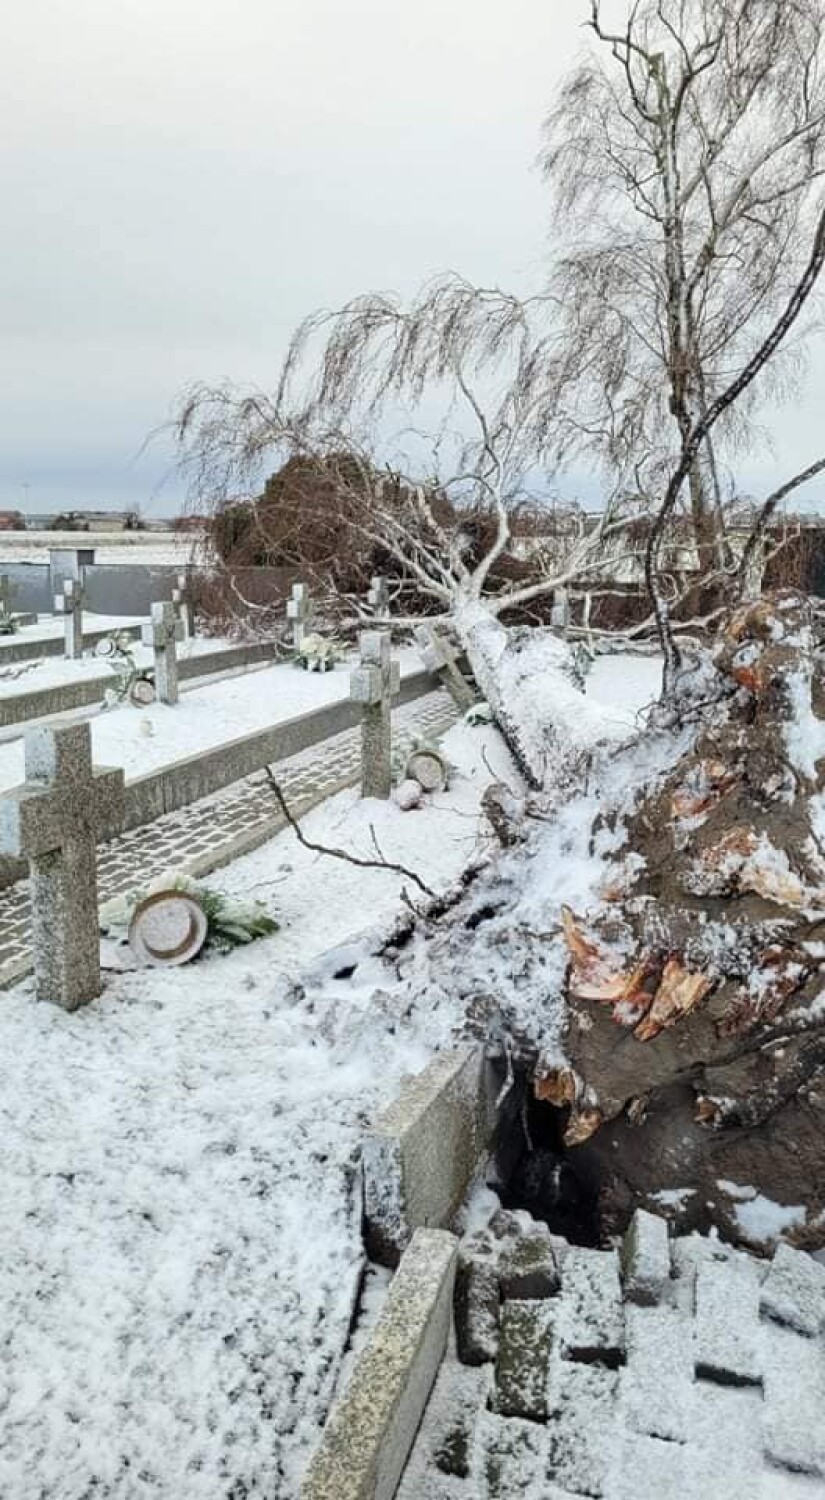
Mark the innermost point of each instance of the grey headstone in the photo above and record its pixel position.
(54, 821)
(374, 684)
(378, 598)
(299, 613)
(182, 600)
(163, 633)
(560, 612)
(69, 604)
(440, 657)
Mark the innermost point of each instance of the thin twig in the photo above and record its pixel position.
(335, 853)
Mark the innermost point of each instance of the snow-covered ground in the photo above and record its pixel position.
(52, 671)
(140, 740)
(181, 1235)
(50, 627)
(181, 1228)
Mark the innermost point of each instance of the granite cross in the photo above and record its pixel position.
(54, 821)
(560, 612)
(182, 600)
(163, 633)
(299, 611)
(378, 598)
(440, 657)
(374, 684)
(69, 604)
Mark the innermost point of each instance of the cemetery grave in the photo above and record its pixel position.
(176, 1324)
(204, 718)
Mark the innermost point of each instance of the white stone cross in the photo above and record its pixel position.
(374, 684)
(299, 611)
(182, 600)
(54, 821)
(440, 657)
(378, 598)
(69, 604)
(163, 633)
(560, 612)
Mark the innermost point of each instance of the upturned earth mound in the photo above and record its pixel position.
(647, 954)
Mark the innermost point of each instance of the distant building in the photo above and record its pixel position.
(12, 520)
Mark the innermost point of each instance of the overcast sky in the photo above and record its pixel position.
(183, 179)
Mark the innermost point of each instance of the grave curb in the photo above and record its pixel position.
(55, 645)
(204, 864)
(66, 697)
(422, 1152)
(367, 1439)
(195, 777)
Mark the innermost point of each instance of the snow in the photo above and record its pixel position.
(804, 732)
(21, 677)
(50, 627)
(625, 684)
(763, 1221)
(181, 1236)
(141, 740)
(526, 676)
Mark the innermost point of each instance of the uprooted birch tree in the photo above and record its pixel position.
(685, 157)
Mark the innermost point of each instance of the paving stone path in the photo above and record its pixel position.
(210, 833)
(681, 1370)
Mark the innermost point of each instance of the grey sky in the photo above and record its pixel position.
(183, 179)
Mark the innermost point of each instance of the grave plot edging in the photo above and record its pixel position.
(422, 1152)
(371, 1429)
(55, 645)
(64, 697)
(197, 776)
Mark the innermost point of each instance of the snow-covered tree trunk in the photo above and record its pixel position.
(527, 677)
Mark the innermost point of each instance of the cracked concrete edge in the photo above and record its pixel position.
(367, 1439)
(422, 1153)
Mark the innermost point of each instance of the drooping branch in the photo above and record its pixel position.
(767, 513)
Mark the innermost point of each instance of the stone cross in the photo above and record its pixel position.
(182, 600)
(69, 604)
(54, 821)
(163, 633)
(560, 613)
(299, 611)
(440, 657)
(374, 684)
(378, 598)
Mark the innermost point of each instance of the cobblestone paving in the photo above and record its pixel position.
(687, 1370)
(209, 833)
